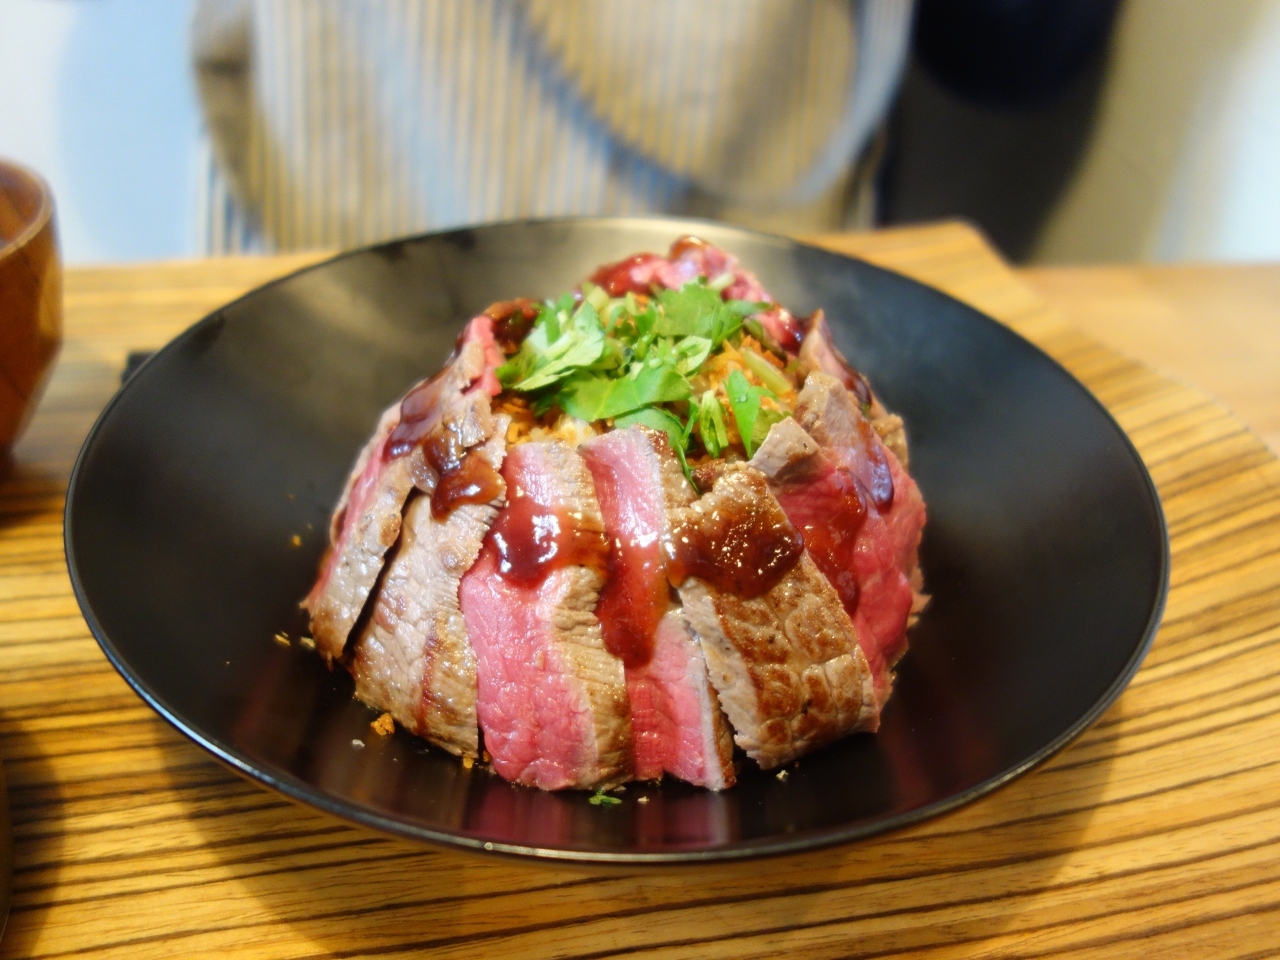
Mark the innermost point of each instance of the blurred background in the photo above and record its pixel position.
(1156, 140)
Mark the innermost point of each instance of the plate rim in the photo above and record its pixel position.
(810, 840)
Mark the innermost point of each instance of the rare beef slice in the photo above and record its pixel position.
(552, 701)
(413, 658)
(676, 721)
(782, 653)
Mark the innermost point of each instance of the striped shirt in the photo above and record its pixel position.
(335, 123)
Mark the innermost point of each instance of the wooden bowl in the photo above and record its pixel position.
(30, 297)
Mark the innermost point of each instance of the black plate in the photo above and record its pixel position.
(1045, 551)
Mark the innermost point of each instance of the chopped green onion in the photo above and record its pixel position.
(711, 425)
(769, 375)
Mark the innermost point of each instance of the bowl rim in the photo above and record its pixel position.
(43, 215)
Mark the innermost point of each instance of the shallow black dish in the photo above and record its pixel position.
(1045, 552)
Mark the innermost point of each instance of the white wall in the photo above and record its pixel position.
(1185, 161)
(97, 96)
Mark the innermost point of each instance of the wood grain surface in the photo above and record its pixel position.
(1215, 325)
(1157, 834)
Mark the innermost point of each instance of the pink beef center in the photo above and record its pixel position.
(669, 705)
(536, 722)
(635, 596)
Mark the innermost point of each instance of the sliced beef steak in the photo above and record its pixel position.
(413, 658)
(884, 554)
(367, 521)
(676, 721)
(552, 700)
(818, 353)
(781, 652)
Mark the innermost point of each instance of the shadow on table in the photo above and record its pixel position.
(36, 812)
(958, 878)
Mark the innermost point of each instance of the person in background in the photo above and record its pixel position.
(337, 123)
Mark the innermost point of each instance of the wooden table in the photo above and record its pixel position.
(1157, 834)
(1217, 327)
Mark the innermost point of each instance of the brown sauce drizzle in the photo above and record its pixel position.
(533, 540)
(635, 595)
(629, 620)
(686, 243)
(858, 384)
(415, 414)
(462, 476)
(512, 321)
(473, 480)
(736, 538)
(789, 337)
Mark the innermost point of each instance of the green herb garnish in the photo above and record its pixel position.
(558, 344)
(752, 418)
(600, 798)
(633, 361)
(589, 396)
(711, 425)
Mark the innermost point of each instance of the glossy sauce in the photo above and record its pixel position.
(876, 475)
(617, 279)
(416, 410)
(685, 244)
(532, 540)
(741, 543)
(786, 331)
(631, 607)
(830, 510)
(474, 481)
(512, 321)
(858, 384)
(636, 594)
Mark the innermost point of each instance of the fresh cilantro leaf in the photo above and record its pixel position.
(655, 419)
(635, 321)
(598, 297)
(688, 353)
(612, 357)
(596, 398)
(757, 329)
(696, 311)
(516, 369)
(550, 325)
(579, 345)
(727, 324)
(687, 432)
(543, 403)
(602, 799)
(744, 401)
(688, 312)
(749, 308)
(764, 422)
